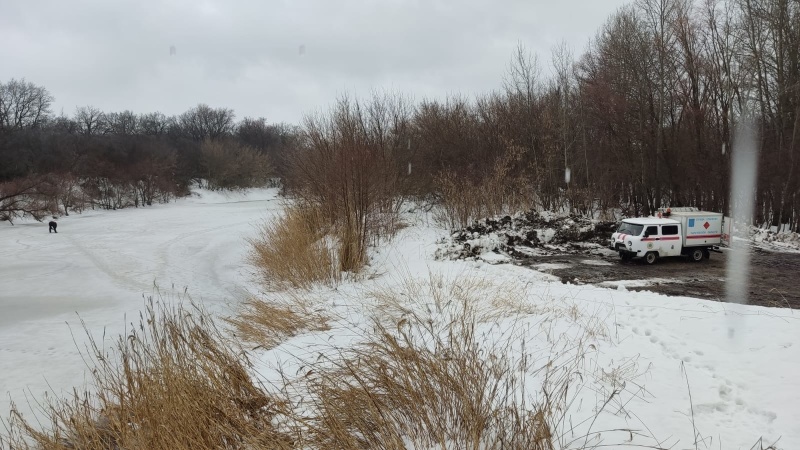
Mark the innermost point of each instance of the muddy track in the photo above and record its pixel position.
(774, 277)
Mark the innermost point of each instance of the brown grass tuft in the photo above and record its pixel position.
(173, 383)
(415, 388)
(270, 323)
(293, 250)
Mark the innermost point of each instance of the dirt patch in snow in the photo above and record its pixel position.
(773, 279)
(574, 250)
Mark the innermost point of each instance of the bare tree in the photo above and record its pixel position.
(229, 165)
(23, 105)
(522, 84)
(124, 123)
(562, 64)
(90, 120)
(154, 124)
(203, 122)
(23, 196)
(660, 16)
(64, 124)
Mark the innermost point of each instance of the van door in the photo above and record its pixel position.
(670, 240)
(652, 239)
(727, 231)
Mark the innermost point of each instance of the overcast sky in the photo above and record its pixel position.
(276, 58)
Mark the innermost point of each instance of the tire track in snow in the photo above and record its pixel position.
(168, 269)
(101, 265)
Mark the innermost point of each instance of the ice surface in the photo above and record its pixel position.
(99, 266)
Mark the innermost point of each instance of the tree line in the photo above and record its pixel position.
(93, 159)
(644, 118)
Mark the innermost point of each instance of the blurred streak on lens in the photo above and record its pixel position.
(743, 192)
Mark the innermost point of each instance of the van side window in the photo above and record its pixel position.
(669, 230)
(652, 231)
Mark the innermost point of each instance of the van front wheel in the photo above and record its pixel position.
(651, 258)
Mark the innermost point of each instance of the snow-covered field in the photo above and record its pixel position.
(739, 364)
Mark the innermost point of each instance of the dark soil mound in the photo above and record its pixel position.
(531, 233)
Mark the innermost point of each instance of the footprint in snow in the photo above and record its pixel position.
(769, 415)
(725, 392)
(711, 407)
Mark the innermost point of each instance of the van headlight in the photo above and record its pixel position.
(630, 244)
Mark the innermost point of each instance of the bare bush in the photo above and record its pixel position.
(25, 197)
(502, 191)
(348, 163)
(230, 165)
(65, 192)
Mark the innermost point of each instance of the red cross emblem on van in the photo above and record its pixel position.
(706, 225)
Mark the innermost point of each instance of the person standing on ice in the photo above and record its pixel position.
(53, 225)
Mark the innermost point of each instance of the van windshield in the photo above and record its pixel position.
(630, 228)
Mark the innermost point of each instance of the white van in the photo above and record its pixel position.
(677, 232)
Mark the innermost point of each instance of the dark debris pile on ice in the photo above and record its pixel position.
(528, 234)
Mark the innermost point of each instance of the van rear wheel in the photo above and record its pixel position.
(651, 258)
(696, 255)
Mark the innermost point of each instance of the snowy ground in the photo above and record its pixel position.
(738, 363)
(99, 266)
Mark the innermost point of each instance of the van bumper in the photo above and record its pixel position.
(623, 250)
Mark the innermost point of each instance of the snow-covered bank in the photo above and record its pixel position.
(684, 370)
(100, 265)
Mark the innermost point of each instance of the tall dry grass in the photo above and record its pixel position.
(270, 322)
(173, 382)
(402, 389)
(295, 251)
(423, 381)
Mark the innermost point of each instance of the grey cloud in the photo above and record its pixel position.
(243, 54)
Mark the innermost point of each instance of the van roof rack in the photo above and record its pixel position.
(681, 209)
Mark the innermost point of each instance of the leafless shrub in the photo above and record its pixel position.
(25, 197)
(502, 191)
(348, 164)
(230, 165)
